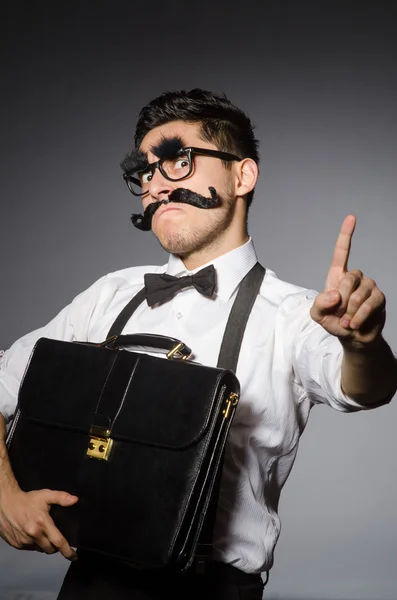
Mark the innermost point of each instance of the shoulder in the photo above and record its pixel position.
(286, 296)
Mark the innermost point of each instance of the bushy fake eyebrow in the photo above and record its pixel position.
(134, 161)
(168, 147)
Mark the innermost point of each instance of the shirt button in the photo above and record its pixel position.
(179, 315)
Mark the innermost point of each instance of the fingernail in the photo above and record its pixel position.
(345, 323)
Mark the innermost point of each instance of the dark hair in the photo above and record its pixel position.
(222, 123)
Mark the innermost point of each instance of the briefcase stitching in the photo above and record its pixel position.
(125, 392)
(18, 409)
(204, 509)
(188, 501)
(13, 427)
(106, 380)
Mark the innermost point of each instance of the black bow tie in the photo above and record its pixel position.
(160, 286)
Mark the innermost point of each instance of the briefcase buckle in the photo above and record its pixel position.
(100, 444)
(232, 400)
(178, 352)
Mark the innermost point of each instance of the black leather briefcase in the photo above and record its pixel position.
(138, 438)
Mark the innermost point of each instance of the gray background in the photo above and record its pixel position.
(320, 83)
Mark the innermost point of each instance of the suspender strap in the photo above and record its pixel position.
(238, 317)
(123, 318)
(237, 321)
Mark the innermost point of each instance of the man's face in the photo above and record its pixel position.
(181, 228)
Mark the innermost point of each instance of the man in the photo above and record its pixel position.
(195, 167)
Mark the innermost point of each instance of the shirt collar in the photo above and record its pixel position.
(230, 268)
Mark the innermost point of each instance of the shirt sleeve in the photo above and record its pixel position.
(72, 323)
(317, 357)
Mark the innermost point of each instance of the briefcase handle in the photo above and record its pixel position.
(174, 348)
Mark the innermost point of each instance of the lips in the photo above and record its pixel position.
(166, 208)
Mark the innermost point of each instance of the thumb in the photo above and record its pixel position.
(325, 304)
(61, 498)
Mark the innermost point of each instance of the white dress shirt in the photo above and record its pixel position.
(287, 363)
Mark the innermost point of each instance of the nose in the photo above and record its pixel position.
(159, 187)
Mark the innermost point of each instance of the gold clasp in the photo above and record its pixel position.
(177, 352)
(100, 443)
(231, 401)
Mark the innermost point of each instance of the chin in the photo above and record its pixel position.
(175, 240)
(184, 238)
(166, 231)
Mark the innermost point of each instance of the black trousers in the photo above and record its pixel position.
(99, 578)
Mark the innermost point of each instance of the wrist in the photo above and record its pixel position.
(8, 485)
(374, 346)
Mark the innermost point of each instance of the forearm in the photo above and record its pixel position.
(369, 373)
(7, 479)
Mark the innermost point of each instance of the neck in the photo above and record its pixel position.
(218, 247)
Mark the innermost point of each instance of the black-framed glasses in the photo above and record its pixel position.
(174, 169)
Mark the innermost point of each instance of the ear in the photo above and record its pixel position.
(246, 176)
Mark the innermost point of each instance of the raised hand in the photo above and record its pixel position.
(351, 307)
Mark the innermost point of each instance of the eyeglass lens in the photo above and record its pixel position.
(174, 169)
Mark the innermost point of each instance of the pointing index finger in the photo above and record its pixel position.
(343, 243)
